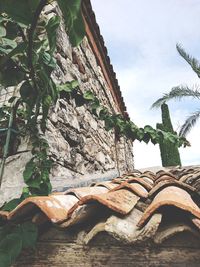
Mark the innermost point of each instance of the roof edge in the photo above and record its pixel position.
(101, 53)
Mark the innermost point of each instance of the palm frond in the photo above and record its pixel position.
(193, 62)
(178, 93)
(189, 123)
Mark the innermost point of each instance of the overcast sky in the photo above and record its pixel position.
(141, 37)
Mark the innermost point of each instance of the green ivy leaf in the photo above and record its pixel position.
(140, 134)
(95, 105)
(15, 237)
(45, 175)
(71, 10)
(103, 113)
(47, 101)
(74, 83)
(18, 50)
(25, 193)
(154, 141)
(68, 86)
(11, 205)
(109, 123)
(148, 129)
(35, 182)
(24, 11)
(51, 29)
(171, 138)
(88, 95)
(45, 189)
(8, 43)
(29, 170)
(48, 60)
(12, 245)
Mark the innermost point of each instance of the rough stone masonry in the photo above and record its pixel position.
(81, 148)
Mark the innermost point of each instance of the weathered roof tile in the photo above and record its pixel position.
(131, 208)
(121, 201)
(171, 196)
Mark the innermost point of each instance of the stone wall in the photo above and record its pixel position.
(79, 144)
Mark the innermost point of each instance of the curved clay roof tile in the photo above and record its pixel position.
(121, 201)
(171, 196)
(165, 183)
(136, 188)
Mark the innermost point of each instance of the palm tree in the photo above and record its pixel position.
(182, 91)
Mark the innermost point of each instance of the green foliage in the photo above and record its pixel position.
(23, 13)
(12, 204)
(182, 91)
(169, 151)
(193, 62)
(189, 123)
(68, 87)
(36, 173)
(51, 29)
(14, 238)
(71, 10)
(177, 93)
(27, 46)
(117, 122)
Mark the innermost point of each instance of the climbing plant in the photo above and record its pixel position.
(14, 238)
(27, 45)
(124, 127)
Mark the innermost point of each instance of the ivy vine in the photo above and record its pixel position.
(27, 46)
(14, 238)
(117, 122)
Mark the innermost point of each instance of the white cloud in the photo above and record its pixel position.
(146, 32)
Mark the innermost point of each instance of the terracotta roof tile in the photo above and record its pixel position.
(108, 185)
(185, 176)
(164, 178)
(131, 208)
(165, 183)
(171, 196)
(148, 175)
(121, 201)
(147, 179)
(146, 184)
(55, 207)
(84, 191)
(136, 188)
(162, 175)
